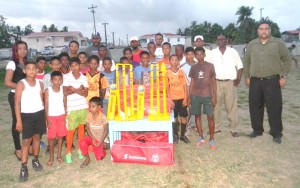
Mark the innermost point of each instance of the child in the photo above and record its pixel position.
(84, 68)
(96, 126)
(141, 73)
(97, 83)
(55, 107)
(55, 65)
(186, 67)
(75, 87)
(30, 114)
(64, 59)
(151, 47)
(176, 87)
(127, 52)
(41, 65)
(166, 48)
(110, 75)
(102, 53)
(203, 93)
(124, 60)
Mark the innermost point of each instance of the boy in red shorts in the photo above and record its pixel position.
(55, 107)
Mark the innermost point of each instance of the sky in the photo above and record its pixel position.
(139, 17)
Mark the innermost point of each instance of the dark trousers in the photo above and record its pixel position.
(266, 92)
(15, 134)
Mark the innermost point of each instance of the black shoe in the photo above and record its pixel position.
(185, 139)
(277, 140)
(36, 165)
(254, 134)
(23, 174)
(235, 134)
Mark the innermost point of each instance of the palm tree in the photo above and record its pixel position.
(244, 13)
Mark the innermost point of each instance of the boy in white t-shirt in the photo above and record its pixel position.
(55, 107)
(76, 89)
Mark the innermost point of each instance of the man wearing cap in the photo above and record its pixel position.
(93, 50)
(229, 69)
(134, 43)
(159, 39)
(199, 42)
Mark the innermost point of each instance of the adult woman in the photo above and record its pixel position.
(14, 73)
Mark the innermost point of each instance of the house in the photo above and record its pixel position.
(39, 40)
(291, 36)
(173, 39)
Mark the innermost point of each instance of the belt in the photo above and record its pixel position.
(266, 78)
(223, 80)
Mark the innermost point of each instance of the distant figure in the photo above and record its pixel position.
(136, 51)
(159, 39)
(292, 50)
(151, 47)
(179, 51)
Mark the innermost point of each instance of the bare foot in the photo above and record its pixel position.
(85, 163)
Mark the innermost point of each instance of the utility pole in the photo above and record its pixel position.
(113, 35)
(261, 9)
(127, 39)
(119, 41)
(105, 23)
(93, 12)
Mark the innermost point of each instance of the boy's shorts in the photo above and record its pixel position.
(75, 118)
(33, 123)
(179, 109)
(197, 103)
(58, 127)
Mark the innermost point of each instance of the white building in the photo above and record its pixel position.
(173, 39)
(39, 40)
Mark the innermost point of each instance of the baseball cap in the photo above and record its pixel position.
(134, 38)
(198, 37)
(96, 35)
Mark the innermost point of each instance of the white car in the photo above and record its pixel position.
(47, 51)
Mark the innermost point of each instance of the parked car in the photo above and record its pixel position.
(47, 51)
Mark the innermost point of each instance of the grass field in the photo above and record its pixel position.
(238, 162)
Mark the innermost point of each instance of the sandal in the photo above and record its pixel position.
(50, 163)
(200, 141)
(60, 160)
(19, 158)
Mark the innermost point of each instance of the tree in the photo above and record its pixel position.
(231, 31)
(179, 32)
(64, 29)
(215, 30)
(246, 24)
(275, 31)
(244, 13)
(44, 28)
(52, 28)
(28, 29)
(4, 34)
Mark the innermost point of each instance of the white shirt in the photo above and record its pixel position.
(12, 66)
(56, 102)
(47, 80)
(227, 64)
(31, 101)
(182, 61)
(159, 53)
(186, 69)
(75, 101)
(207, 55)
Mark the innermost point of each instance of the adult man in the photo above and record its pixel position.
(267, 62)
(96, 40)
(136, 51)
(199, 42)
(229, 69)
(179, 51)
(73, 48)
(158, 41)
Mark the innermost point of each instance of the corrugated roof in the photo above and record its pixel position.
(54, 34)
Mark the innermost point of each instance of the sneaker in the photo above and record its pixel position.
(42, 145)
(36, 165)
(212, 145)
(23, 174)
(80, 156)
(69, 158)
(200, 141)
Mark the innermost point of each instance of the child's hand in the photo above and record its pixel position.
(184, 102)
(48, 123)
(19, 126)
(81, 87)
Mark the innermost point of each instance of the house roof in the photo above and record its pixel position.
(168, 35)
(54, 34)
(293, 32)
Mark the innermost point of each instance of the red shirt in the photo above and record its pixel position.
(136, 56)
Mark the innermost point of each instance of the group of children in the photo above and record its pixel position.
(70, 98)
